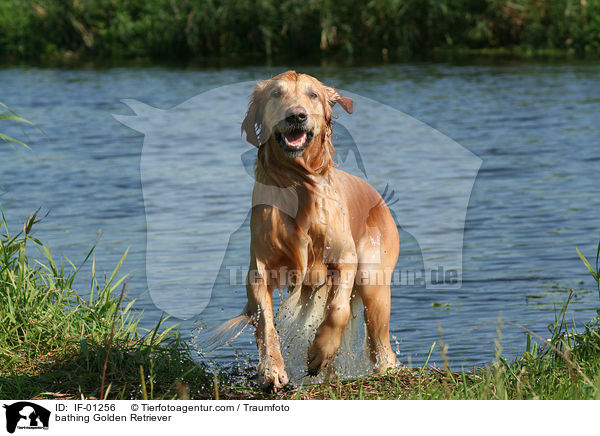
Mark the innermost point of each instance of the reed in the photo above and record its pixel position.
(261, 31)
(57, 341)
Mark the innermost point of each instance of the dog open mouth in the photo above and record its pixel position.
(294, 142)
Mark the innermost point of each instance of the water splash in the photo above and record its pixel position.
(206, 341)
(297, 325)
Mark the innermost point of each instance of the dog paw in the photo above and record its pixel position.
(318, 358)
(384, 360)
(273, 377)
(386, 365)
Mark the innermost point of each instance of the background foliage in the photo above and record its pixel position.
(262, 29)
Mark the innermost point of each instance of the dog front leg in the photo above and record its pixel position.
(329, 334)
(271, 368)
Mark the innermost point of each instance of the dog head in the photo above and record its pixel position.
(291, 115)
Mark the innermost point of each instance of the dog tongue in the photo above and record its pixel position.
(295, 139)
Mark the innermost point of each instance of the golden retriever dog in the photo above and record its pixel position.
(319, 225)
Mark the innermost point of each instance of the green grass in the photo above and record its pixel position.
(6, 114)
(570, 371)
(60, 342)
(54, 339)
(259, 31)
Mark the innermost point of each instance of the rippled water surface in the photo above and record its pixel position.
(534, 126)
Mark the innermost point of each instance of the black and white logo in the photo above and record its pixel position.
(26, 415)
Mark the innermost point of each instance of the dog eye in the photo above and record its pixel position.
(276, 93)
(313, 95)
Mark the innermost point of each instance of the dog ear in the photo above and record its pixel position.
(252, 124)
(334, 97)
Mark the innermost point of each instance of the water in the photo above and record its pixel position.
(534, 200)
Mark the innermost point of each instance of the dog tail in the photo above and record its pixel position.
(226, 333)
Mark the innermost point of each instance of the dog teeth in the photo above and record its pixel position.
(295, 140)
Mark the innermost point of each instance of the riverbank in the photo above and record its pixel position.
(60, 343)
(65, 32)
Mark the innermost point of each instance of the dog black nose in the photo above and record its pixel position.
(296, 114)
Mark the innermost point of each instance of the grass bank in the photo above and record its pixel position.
(55, 340)
(60, 342)
(259, 31)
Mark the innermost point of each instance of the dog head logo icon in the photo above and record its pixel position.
(26, 415)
